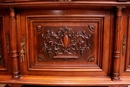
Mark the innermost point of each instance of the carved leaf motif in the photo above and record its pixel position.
(65, 42)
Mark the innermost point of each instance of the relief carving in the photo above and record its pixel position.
(90, 58)
(39, 28)
(66, 43)
(91, 27)
(41, 58)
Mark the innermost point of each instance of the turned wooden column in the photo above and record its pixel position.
(117, 45)
(14, 48)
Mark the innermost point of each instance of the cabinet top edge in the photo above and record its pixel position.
(65, 4)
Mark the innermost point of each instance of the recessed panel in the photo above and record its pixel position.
(57, 43)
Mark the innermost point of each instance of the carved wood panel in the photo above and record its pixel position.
(66, 43)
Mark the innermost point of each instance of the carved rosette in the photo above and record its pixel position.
(65, 43)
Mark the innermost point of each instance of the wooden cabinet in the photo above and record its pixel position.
(68, 43)
(58, 41)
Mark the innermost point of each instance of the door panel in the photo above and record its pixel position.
(125, 61)
(5, 61)
(66, 42)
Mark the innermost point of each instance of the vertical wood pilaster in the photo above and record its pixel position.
(117, 45)
(13, 38)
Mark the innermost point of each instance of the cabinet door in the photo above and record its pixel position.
(5, 61)
(66, 42)
(125, 60)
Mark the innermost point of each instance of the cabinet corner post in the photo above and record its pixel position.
(13, 43)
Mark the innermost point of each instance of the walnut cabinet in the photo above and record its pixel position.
(65, 43)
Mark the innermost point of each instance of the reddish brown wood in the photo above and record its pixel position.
(14, 50)
(8, 0)
(58, 0)
(117, 46)
(87, 53)
(1, 1)
(61, 43)
(122, 0)
(118, 86)
(5, 66)
(73, 5)
(13, 85)
(125, 60)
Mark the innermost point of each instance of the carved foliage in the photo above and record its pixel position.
(65, 43)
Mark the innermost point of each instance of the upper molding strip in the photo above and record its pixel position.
(76, 4)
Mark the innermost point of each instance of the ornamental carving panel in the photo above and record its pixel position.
(59, 43)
